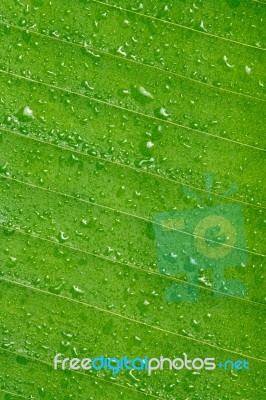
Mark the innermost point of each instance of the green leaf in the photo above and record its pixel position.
(117, 118)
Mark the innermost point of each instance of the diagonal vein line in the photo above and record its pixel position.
(126, 59)
(122, 165)
(132, 320)
(128, 214)
(15, 394)
(257, 1)
(129, 110)
(21, 353)
(176, 24)
(138, 268)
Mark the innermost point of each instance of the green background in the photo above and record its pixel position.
(80, 186)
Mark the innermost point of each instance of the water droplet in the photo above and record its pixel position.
(227, 63)
(145, 92)
(120, 50)
(62, 236)
(27, 112)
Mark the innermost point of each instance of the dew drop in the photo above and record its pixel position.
(27, 112)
